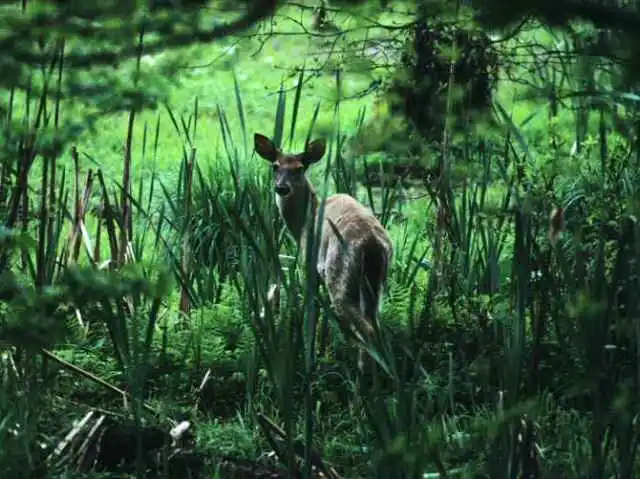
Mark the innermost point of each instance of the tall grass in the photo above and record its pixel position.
(501, 353)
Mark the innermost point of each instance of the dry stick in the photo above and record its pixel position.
(81, 231)
(80, 209)
(97, 244)
(86, 374)
(71, 435)
(84, 447)
(88, 187)
(84, 200)
(280, 436)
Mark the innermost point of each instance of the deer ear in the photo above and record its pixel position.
(314, 151)
(264, 147)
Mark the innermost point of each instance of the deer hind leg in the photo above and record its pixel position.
(369, 298)
(355, 311)
(353, 324)
(374, 261)
(345, 306)
(345, 298)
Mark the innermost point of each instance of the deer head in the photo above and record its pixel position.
(289, 169)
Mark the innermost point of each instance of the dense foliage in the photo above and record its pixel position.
(156, 319)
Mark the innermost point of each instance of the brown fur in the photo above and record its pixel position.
(354, 272)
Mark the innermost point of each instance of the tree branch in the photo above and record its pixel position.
(259, 10)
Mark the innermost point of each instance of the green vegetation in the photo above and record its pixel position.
(141, 241)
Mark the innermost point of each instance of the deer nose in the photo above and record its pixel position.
(282, 190)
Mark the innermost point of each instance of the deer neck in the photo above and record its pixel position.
(295, 208)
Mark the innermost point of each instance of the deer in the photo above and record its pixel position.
(354, 251)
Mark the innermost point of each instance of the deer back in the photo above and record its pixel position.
(354, 247)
